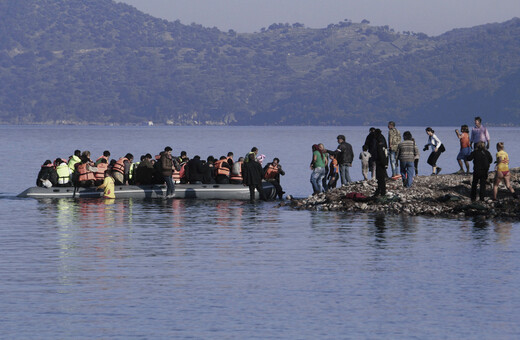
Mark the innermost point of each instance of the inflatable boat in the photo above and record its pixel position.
(196, 191)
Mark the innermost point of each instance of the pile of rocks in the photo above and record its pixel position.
(441, 195)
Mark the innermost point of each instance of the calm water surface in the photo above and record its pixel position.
(231, 270)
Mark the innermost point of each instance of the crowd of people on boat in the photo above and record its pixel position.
(79, 170)
(402, 155)
(399, 154)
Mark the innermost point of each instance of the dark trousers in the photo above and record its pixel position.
(278, 187)
(258, 187)
(381, 179)
(434, 156)
(478, 179)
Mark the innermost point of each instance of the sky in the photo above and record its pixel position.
(432, 17)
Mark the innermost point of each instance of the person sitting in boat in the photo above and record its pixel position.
(209, 171)
(102, 167)
(121, 169)
(84, 174)
(236, 172)
(222, 170)
(63, 171)
(272, 172)
(183, 158)
(229, 158)
(195, 170)
(47, 177)
(106, 156)
(145, 171)
(74, 159)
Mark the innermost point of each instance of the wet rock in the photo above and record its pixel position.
(444, 195)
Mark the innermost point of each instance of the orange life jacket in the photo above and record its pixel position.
(272, 172)
(220, 169)
(182, 172)
(100, 174)
(83, 173)
(119, 166)
(237, 176)
(335, 165)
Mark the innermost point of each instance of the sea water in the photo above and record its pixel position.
(229, 269)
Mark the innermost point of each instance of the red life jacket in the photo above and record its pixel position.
(220, 169)
(119, 166)
(272, 172)
(83, 173)
(100, 174)
(176, 175)
(182, 172)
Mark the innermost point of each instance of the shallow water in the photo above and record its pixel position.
(227, 269)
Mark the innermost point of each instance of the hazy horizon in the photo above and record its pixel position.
(244, 16)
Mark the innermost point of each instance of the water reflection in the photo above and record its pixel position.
(503, 231)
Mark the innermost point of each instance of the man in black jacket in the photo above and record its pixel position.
(195, 170)
(482, 159)
(253, 174)
(345, 155)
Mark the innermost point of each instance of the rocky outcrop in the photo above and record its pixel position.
(442, 195)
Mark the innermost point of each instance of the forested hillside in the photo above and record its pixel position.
(99, 61)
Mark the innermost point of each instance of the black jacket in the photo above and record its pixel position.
(344, 153)
(47, 173)
(195, 170)
(381, 156)
(252, 173)
(145, 172)
(482, 159)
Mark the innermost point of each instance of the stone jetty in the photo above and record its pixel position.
(442, 195)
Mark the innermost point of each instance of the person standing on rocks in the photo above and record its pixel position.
(479, 133)
(365, 162)
(465, 148)
(416, 159)
(394, 138)
(481, 161)
(370, 143)
(502, 171)
(318, 163)
(345, 155)
(437, 149)
(406, 151)
(381, 159)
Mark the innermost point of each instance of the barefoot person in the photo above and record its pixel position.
(502, 171)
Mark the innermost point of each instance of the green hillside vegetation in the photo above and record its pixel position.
(99, 61)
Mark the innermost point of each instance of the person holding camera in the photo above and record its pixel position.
(437, 149)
